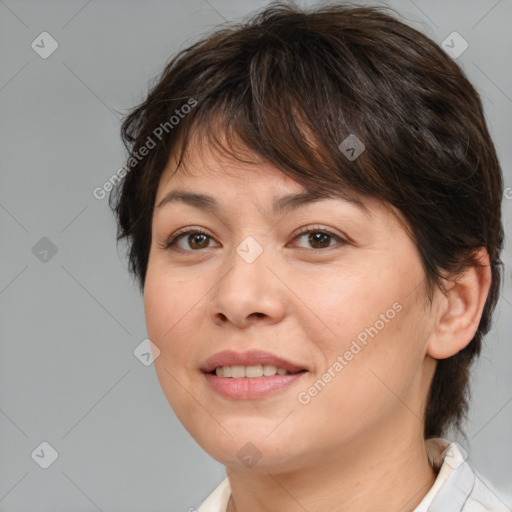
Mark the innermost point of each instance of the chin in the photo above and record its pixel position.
(252, 448)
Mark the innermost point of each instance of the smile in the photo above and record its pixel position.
(249, 375)
(251, 372)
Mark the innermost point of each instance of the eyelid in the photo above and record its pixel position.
(171, 240)
(304, 230)
(315, 228)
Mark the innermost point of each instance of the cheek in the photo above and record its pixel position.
(370, 319)
(348, 306)
(170, 306)
(369, 375)
(171, 309)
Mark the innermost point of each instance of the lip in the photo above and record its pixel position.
(247, 388)
(248, 358)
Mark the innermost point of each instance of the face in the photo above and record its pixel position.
(325, 298)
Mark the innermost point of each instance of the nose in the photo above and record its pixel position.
(248, 291)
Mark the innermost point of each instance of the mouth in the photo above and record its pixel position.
(251, 363)
(249, 375)
(251, 372)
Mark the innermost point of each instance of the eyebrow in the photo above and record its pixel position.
(280, 206)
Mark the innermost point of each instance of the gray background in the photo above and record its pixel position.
(69, 325)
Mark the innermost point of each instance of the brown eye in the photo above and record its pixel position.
(194, 240)
(197, 241)
(318, 238)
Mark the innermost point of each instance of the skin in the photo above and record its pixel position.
(358, 444)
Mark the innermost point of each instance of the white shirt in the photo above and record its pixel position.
(457, 488)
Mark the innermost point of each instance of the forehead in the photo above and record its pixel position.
(207, 180)
(203, 161)
(240, 168)
(204, 193)
(211, 170)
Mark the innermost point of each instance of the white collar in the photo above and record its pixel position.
(441, 453)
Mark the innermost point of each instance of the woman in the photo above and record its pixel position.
(312, 205)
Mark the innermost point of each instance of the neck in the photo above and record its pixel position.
(387, 474)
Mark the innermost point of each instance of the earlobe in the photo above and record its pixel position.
(460, 308)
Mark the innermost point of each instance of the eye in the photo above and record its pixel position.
(195, 239)
(318, 238)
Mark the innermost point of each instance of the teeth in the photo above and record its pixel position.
(269, 370)
(251, 372)
(237, 371)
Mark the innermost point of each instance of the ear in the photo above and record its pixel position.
(460, 308)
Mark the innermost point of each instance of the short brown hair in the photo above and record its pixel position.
(291, 84)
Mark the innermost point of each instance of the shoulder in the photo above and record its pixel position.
(459, 487)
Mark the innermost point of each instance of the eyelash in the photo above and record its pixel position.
(302, 231)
